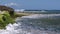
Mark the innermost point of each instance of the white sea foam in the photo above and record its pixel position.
(41, 16)
(42, 11)
(10, 29)
(13, 28)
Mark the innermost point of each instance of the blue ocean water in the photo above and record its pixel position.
(44, 12)
(42, 22)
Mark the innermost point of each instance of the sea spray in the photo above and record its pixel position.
(11, 29)
(19, 28)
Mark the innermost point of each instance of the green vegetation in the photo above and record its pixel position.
(7, 15)
(5, 19)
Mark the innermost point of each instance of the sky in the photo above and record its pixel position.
(32, 4)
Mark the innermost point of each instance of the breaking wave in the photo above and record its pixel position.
(40, 16)
(19, 28)
(13, 29)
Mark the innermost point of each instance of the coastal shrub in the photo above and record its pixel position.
(5, 19)
(7, 15)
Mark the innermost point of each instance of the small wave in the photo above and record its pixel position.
(40, 16)
(16, 27)
(43, 11)
(11, 29)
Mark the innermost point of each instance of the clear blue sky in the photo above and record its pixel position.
(32, 4)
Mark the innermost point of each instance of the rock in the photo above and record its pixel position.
(5, 8)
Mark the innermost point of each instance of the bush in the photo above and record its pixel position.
(5, 19)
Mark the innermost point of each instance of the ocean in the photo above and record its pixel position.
(42, 22)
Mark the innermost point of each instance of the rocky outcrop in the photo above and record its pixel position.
(7, 15)
(5, 8)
